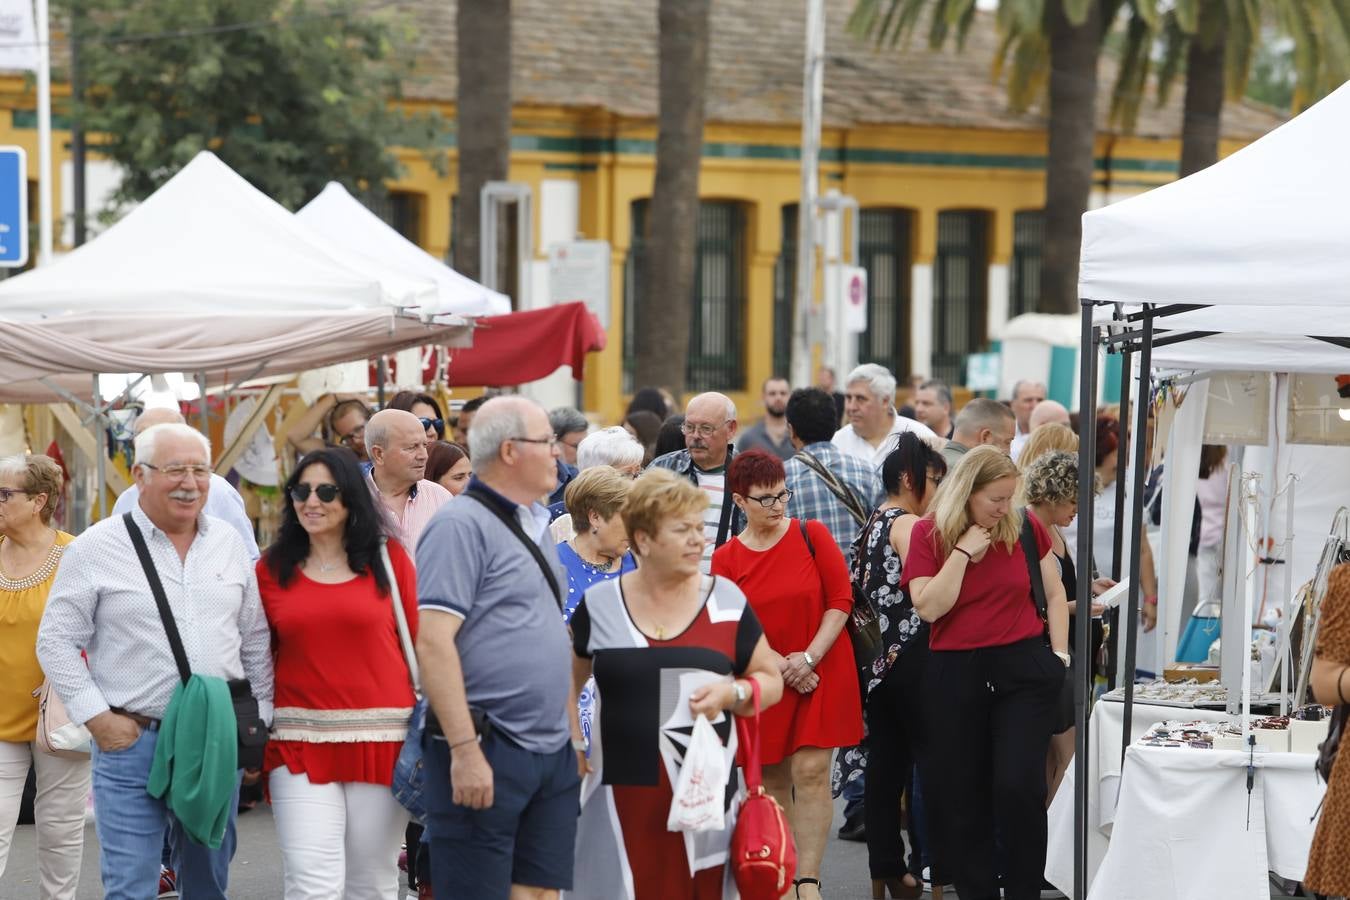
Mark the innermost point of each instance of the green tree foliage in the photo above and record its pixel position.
(291, 94)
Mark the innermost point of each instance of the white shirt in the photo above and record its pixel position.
(1018, 442)
(714, 485)
(100, 602)
(222, 501)
(847, 440)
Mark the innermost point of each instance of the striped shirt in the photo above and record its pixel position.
(714, 485)
(101, 603)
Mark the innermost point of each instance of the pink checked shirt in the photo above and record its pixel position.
(421, 504)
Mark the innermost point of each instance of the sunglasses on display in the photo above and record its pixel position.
(327, 492)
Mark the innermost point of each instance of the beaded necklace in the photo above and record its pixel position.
(45, 571)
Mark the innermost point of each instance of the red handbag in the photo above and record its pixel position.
(763, 854)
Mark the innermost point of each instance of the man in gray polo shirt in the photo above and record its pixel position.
(502, 797)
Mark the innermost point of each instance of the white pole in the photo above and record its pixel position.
(813, 88)
(44, 112)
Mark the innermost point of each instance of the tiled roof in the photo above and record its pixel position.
(603, 54)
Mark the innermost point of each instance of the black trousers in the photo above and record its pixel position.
(894, 716)
(988, 715)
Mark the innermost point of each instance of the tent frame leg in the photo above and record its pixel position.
(1130, 620)
(1087, 407)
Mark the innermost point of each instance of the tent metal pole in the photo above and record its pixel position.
(1087, 406)
(201, 398)
(1118, 541)
(1131, 618)
(100, 456)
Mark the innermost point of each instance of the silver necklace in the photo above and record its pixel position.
(326, 566)
(595, 569)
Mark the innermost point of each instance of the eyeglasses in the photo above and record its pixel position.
(702, 429)
(438, 424)
(6, 493)
(178, 473)
(551, 440)
(356, 434)
(768, 500)
(327, 492)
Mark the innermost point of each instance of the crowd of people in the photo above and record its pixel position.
(898, 588)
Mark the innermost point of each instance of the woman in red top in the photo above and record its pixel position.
(801, 592)
(343, 692)
(992, 682)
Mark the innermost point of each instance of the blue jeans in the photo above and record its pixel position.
(130, 826)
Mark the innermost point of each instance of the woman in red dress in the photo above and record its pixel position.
(797, 583)
(343, 692)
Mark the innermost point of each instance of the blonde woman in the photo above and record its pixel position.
(30, 552)
(992, 683)
(1044, 439)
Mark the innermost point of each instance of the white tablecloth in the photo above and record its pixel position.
(1104, 730)
(1186, 828)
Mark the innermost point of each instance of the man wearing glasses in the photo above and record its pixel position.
(101, 604)
(222, 500)
(709, 428)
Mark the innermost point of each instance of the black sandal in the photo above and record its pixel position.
(798, 882)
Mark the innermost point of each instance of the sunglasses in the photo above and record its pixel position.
(327, 492)
(438, 424)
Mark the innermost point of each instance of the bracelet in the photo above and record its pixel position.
(472, 740)
(1339, 678)
(1151, 600)
(579, 745)
(810, 660)
(964, 553)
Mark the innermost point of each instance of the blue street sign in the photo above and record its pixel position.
(13, 207)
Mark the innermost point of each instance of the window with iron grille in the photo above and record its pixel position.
(785, 291)
(1028, 247)
(884, 250)
(717, 315)
(401, 210)
(960, 291)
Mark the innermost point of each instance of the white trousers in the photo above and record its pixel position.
(62, 797)
(338, 841)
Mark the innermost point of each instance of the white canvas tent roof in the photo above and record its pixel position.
(206, 275)
(1267, 226)
(347, 224)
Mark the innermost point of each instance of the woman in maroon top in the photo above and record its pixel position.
(992, 682)
(796, 580)
(343, 692)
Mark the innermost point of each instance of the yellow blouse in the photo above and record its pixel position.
(22, 601)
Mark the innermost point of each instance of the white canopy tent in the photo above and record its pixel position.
(347, 224)
(206, 275)
(1242, 266)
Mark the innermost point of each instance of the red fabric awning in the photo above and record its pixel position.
(526, 346)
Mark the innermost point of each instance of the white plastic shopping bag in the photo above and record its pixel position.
(700, 789)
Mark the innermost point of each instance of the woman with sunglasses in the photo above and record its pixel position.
(796, 580)
(427, 410)
(343, 692)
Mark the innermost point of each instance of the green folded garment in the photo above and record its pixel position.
(197, 758)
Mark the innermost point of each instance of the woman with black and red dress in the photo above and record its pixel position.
(992, 683)
(343, 692)
(666, 643)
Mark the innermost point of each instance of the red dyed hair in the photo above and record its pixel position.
(752, 469)
(1108, 437)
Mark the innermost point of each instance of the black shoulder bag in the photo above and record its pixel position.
(863, 625)
(252, 730)
(1029, 550)
(513, 526)
(856, 508)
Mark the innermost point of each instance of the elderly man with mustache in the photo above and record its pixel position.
(101, 603)
(709, 428)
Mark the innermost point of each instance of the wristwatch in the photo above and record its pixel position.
(810, 660)
(1064, 658)
(742, 692)
(579, 745)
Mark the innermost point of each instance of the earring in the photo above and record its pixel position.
(594, 530)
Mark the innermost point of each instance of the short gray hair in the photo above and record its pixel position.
(495, 422)
(612, 446)
(1025, 382)
(566, 420)
(982, 413)
(147, 439)
(879, 380)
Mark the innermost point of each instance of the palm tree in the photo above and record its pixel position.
(1048, 41)
(483, 113)
(666, 271)
(1216, 42)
